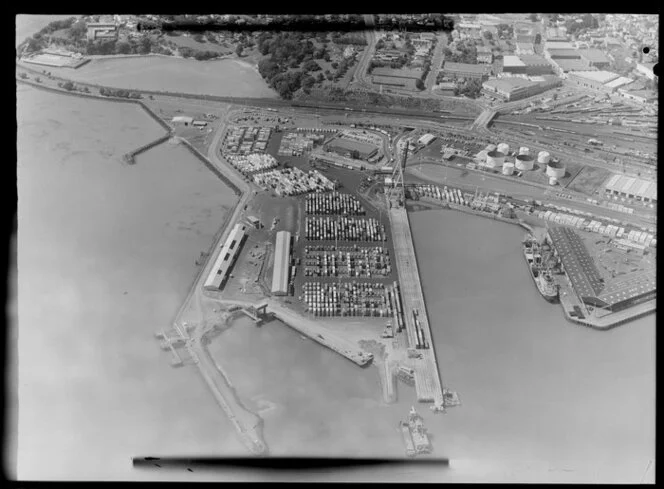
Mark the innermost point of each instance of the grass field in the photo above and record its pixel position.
(589, 179)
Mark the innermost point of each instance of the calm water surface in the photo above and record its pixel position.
(106, 254)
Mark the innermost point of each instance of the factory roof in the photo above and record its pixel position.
(533, 60)
(450, 66)
(619, 82)
(571, 64)
(635, 186)
(578, 263)
(594, 55)
(509, 61)
(551, 44)
(281, 262)
(555, 53)
(629, 287)
(508, 84)
(599, 76)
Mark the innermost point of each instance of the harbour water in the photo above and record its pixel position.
(539, 394)
(106, 255)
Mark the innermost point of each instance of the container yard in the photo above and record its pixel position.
(296, 143)
(334, 203)
(364, 299)
(252, 163)
(344, 229)
(347, 261)
(245, 140)
(293, 181)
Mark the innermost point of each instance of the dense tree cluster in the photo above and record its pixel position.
(470, 88)
(588, 21)
(468, 54)
(110, 92)
(292, 57)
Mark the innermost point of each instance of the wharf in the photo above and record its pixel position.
(428, 385)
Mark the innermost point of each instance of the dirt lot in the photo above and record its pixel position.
(589, 179)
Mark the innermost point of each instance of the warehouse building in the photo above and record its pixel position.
(182, 120)
(466, 70)
(350, 149)
(516, 88)
(586, 281)
(595, 80)
(281, 268)
(631, 188)
(226, 258)
(595, 58)
(564, 66)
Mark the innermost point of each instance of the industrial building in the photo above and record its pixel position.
(526, 65)
(183, 120)
(631, 188)
(280, 273)
(346, 147)
(595, 80)
(586, 280)
(466, 70)
(426, 140)
(227, 255)
(595, 58)
(515, 88)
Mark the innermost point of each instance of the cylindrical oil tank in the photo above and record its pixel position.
(508, 168)
(524, 162)
(555, 169)
(495, 159)
(553, 181)
(524, 151)
(504, 148)
(543, 157)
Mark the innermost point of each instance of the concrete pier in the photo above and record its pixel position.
(428, 385)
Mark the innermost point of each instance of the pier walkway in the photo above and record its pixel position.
(428, 385)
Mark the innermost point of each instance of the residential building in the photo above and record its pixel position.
(101, 30)
(484, 55)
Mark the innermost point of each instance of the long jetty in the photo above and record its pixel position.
(428, 385)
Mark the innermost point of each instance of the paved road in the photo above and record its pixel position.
(436, 61)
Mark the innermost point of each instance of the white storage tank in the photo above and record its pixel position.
(495, 159)
(553, 181)
(524, 162)
(504, 148)
(543, 157)
(508, 169)
(524, 151)
(555, 169)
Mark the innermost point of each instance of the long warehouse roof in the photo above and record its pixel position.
(281, 262)
(225, 258)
